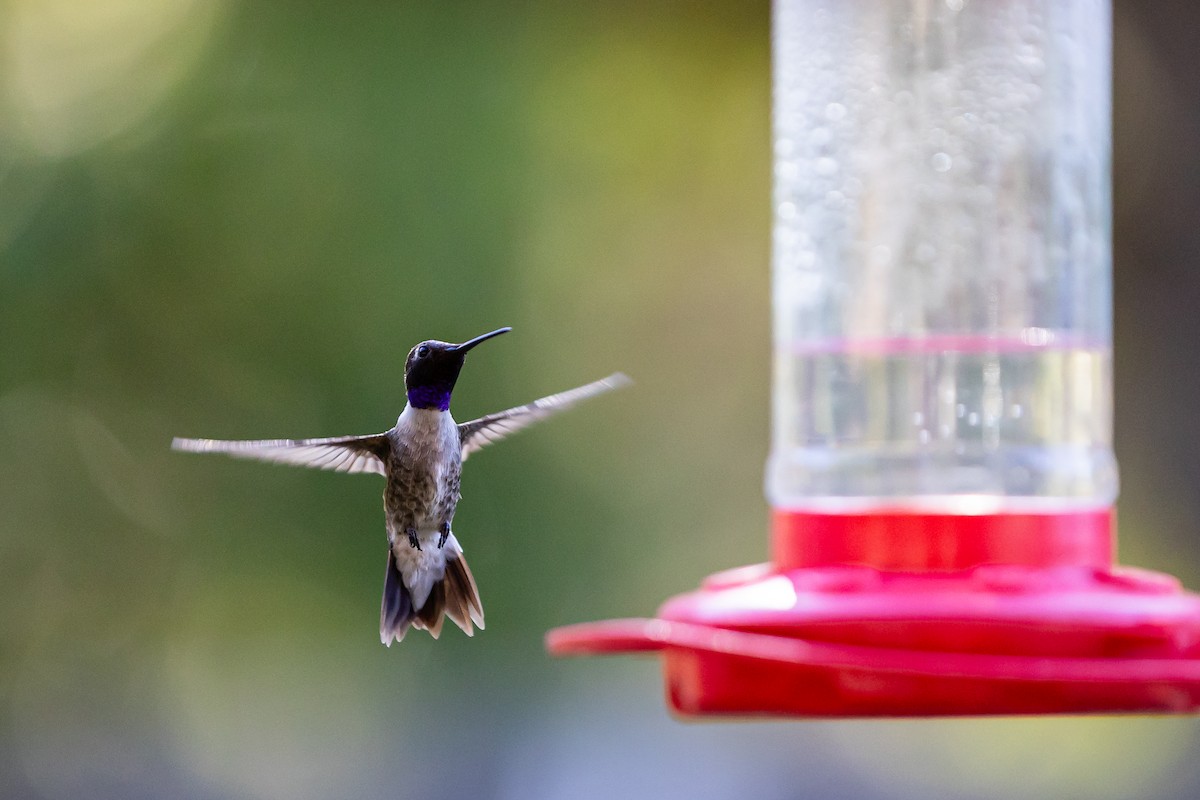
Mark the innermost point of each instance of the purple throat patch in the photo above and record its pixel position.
(430, 397)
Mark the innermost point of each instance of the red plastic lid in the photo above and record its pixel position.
(934, 627)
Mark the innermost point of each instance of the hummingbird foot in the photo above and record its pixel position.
(413, 541)
(445, 529)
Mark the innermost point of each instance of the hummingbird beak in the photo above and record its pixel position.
(465, 346)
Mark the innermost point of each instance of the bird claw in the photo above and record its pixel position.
(412, 539)
(445, 534)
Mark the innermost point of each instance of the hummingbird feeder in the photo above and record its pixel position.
(941, 475)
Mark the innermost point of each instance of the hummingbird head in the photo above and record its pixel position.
(432, 369)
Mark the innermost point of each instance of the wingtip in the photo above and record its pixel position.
(185, 445)
(617, 380)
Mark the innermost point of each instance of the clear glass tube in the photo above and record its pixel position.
(942, 259)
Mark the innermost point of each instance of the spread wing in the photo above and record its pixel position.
(483, 431)
(342, 454)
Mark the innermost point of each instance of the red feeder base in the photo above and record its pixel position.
(935, 626)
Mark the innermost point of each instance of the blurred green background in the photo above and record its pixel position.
(233, 219)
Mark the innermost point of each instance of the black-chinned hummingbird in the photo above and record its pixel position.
(421, 458)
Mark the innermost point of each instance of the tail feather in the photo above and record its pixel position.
(455, 596)
(396, 613)
(462, 603)
(456, 605)
(429, 616)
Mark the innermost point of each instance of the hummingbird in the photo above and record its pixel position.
(421, 457)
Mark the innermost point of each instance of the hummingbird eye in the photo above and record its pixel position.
(422, 351)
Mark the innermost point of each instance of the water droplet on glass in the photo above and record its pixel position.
(972, 419)
(834, 112)
(1036, 337)
(826, 166)
(941, 162)
(960, 410)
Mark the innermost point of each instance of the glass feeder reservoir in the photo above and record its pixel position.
(942, 260)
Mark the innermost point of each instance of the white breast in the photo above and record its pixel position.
(431, 439)
(428, 430)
